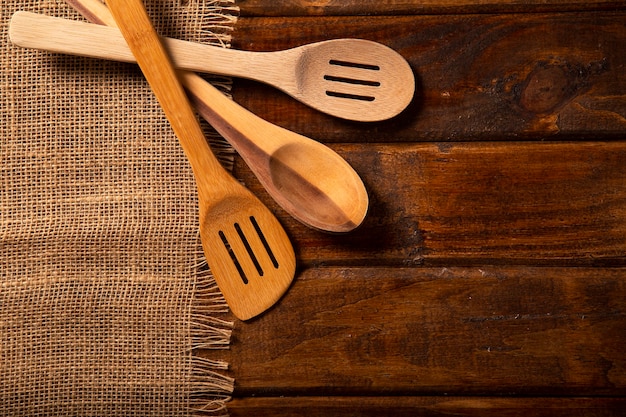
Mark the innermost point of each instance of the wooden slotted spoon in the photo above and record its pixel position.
(247, 249)
(311, 182)
(353, 79)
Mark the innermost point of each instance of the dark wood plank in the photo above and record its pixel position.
(488, 278)
(474, 203)
(426, 406)
(422, 331)
(479, 77)
(407, 7)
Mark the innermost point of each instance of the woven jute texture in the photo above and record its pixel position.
(105, 298)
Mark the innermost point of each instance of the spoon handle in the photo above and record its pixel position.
(32, 30)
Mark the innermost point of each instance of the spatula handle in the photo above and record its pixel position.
(144, 42)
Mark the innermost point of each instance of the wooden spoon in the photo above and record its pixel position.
(247, 249)
(353, 79)
(310, 181)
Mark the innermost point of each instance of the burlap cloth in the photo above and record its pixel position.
(104, 298)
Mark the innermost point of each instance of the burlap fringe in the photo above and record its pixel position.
(216, 27)
(208, 331)
(207, 381)
(210, 388)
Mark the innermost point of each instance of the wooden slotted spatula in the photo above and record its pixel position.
(247, 249)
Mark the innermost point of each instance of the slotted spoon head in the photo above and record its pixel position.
(248, 252)
(355, 79)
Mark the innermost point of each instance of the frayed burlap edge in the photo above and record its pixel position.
(210, 388)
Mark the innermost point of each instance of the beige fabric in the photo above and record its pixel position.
(104, 295)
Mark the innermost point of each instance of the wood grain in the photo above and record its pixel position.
(489, 276)
(479, 77)
(418, 331)
(408, 7)
(402, 406)
(474, 203)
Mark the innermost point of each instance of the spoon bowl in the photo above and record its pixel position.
(292, 164)
(309, 180)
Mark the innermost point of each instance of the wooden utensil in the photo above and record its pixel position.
(309, 180)
(247, 249)
(353, 79)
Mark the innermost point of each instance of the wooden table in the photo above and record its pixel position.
(489, 278)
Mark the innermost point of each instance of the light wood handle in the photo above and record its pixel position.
(32, 30)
